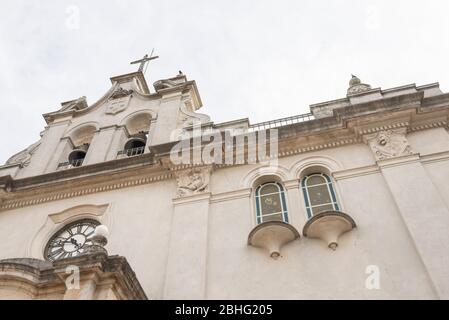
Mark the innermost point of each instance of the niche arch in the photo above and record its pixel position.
(55, 221)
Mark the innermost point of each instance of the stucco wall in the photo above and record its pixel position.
(138, 219)
(140, 222)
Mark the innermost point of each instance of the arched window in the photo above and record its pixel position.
(270, 203)
(319, 194)
(77, 156)
(135, 145)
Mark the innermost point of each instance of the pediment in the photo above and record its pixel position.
(115, 100)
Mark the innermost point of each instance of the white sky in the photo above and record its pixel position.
(256, 59)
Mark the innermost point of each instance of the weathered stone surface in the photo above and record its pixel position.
(38, 279)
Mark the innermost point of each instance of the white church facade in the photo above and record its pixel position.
(349, 201)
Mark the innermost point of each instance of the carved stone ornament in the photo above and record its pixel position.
(77, 104)
(389, 144)
(118, 101)
(191, 182)
(164, 84)
(272, 236)
(356, 86)
(328, 226)
(24, 156)
(120, 93)
(169, 83)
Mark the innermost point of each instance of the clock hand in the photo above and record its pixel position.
(74, 242)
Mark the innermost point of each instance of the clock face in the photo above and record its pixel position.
(71, 241)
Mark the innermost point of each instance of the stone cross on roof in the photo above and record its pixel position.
(144, 60)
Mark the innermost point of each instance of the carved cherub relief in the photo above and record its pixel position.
(389, 144)
(192, 182)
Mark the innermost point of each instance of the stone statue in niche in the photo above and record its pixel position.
(192, 182)
(118, 101)
(389, 144)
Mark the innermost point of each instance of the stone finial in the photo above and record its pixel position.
(99, 240)
(356, 86)
(354, 80)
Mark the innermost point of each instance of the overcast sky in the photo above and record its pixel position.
(256, 59)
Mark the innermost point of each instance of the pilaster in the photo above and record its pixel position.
(187, 255)
(167, 119)
(56, 157)
(42, 156)
(117, 143)
(99, 146)
(419, 202)
(296, 211)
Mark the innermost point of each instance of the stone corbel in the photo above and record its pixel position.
(328, 226)
(272, 236)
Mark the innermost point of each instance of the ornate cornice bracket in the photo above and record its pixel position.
(120, 93)
(389, 143)
(192, 181)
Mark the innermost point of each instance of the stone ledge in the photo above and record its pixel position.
(42, 276)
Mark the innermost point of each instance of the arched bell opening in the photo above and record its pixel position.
(135, 145)
(77, 145)
(77, 155)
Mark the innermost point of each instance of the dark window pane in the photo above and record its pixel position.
(271, 204)
(319, 209)
(274, 217)
(319, 195)
(313, 180)
(270, 188)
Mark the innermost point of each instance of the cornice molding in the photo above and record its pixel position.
(153, 166)
(430, 125)
(201, 197)
(375, 129)
(397, 161)
(355, 172)
(435, 157)
(231, 195)
(43, 197)
(332, 144)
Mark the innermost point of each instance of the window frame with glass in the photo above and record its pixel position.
(260, 215)
(312, 205)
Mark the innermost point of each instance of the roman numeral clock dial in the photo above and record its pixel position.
(71, 241)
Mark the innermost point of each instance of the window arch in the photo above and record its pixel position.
(135, 145)
(319, 194)
(270, 203)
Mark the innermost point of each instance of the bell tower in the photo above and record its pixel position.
(124, 123)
